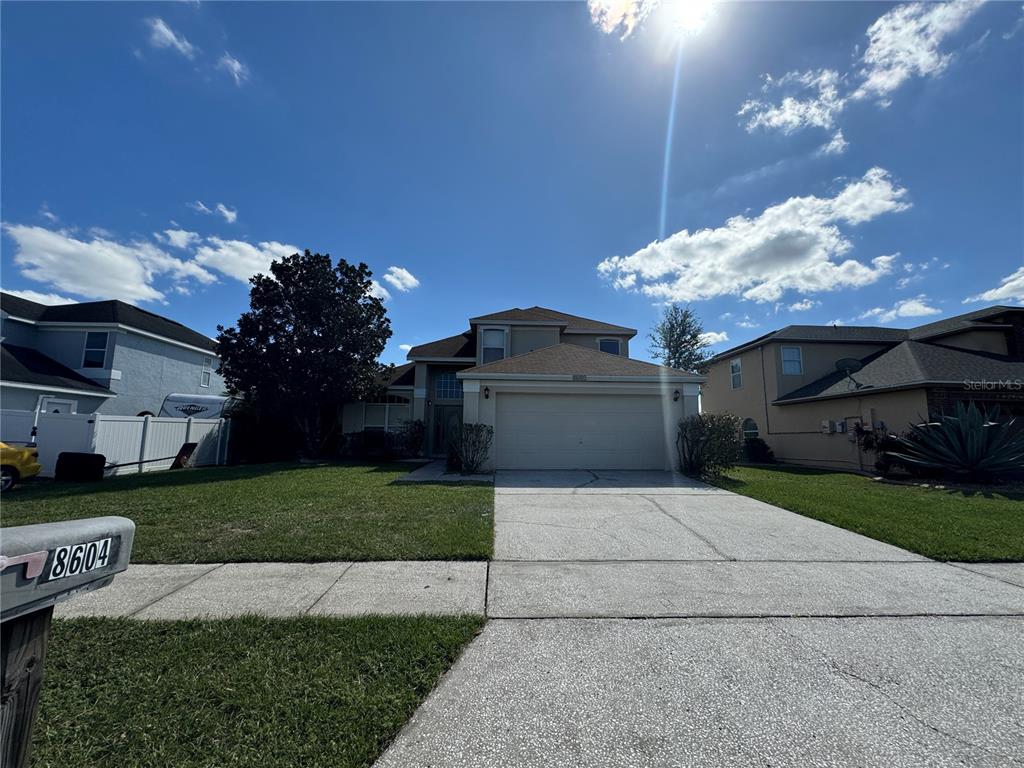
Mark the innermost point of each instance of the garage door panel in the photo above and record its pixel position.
(542, 431)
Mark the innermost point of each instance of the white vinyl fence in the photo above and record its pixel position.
(139, 443)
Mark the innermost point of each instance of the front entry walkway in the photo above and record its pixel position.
(645, 619)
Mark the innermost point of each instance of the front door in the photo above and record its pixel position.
(447, 418)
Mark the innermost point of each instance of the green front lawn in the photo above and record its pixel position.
(980, 526)
(237, 692)
(275, 512)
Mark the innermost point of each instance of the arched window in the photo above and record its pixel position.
(749, 428)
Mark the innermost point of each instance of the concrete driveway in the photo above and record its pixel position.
(645, 619)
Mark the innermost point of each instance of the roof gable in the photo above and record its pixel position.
(461, 345)
(553, 317)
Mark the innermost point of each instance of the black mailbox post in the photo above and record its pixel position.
(40, 566)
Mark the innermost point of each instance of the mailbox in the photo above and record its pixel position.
(40, 566)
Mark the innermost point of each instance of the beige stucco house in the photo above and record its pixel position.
(788, 389)
(560, 391)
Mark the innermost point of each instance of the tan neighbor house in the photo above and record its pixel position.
(788, 390)
(560, 391)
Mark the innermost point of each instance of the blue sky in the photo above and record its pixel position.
(859, 163)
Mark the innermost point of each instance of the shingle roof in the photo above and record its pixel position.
(873, 334)
(462, 345)
(116, 312)
(542, 314)
(573, 360)
(22, 365)
(402, 376)
(908, 364)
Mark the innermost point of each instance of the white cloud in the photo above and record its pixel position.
(405, 347)
(233, 67)
(49, 299)
(812, 99)
(162, 36)
(1010, 288)
(229, 214)
(905, 42)
(239, 259)
(791, 246)
(747, 322)
(614, 16)
(1017, 27)
(837, 145)
(804, 305)
(98, 268)
(401, 279)
(46, 213)
(378, 291)
(179, 238)
(916, 307)
(714, 337)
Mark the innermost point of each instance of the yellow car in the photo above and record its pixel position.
(17, 464)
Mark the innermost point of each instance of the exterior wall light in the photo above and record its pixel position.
(487, 393)
(675, 396)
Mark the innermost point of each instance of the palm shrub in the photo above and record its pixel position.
(708, 444)
(972, 444)
(469, 447)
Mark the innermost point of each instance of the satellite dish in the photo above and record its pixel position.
(849, 366)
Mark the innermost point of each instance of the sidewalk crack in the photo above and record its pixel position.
(333, 585)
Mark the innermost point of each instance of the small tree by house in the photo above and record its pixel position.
(708, 444)
(678, 340)
(308, 344)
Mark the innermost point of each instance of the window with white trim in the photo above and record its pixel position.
(95, 355)
(792, 361)
(447, 386)
(611, 346)
(207, 373)
(750, 428)
(58, 405)
(492, 346)
(736, 373)
(387, 413)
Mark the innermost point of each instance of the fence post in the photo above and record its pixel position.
(144, 443)
(94, 433)
(224, 431)
(188, 430)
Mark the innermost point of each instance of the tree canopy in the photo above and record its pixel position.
(678, 340)
(309, 343)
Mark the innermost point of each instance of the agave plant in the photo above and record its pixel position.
(971, 443)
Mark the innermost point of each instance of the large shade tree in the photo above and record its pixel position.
(678, 340)
(309, 343)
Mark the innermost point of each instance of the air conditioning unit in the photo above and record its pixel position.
(828, 427)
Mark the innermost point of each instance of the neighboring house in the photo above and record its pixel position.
(100, 356)
(560, 391)
(789, 390)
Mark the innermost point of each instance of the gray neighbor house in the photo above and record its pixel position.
(104, 357)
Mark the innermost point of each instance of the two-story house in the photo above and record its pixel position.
(100, 356)
(560, 391)
(805, 389)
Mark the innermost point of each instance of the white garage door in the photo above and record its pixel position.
(535, 431)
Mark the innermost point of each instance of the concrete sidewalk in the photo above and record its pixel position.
(287, 589)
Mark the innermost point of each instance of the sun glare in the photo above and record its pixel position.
(688, 17)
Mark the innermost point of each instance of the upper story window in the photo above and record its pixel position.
(792, 361)
(611, 346)
(492, 346)
(95, 355)
(207, 373)
(447, 386)
(736, 373)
